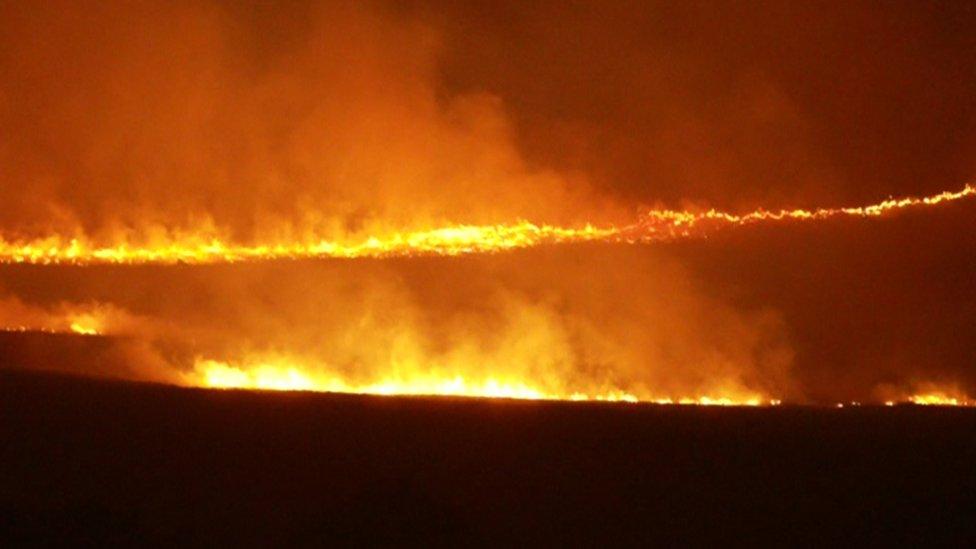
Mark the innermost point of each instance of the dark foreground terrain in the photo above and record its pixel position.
(111, 462)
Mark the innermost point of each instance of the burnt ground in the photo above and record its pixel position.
(103, 462)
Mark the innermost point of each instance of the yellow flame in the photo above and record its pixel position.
(940, 399)
(85, 323)
(203, 247)
(284, 376)
(928, 393)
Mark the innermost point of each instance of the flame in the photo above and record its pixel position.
(929, 393)
(86, 323)
(284, 375)
(78, 329)
(278, 373)
(68, 318)
(203, 247)
(933, 394)
(941, 399)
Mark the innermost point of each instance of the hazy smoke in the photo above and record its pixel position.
(136, 121)
(546, 318)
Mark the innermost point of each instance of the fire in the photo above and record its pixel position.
(283, 375)
(941, 399)
(85, 323)
(78, 329)
(933, 394)
(204, 247)
(79, 319)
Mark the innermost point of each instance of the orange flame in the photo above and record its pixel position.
(928, 393)
(79, 319)
(284, 375)
(941, 399)
(655, 225)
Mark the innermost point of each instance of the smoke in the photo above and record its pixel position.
(731, 104)
(86, 338)
(140, 121)
(63, 317)
(152, 122)
(541, 319)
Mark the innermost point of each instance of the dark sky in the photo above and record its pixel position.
(731, 102)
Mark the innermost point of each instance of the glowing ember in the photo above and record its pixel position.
(657, 225)
(30, 329)
(73, 329)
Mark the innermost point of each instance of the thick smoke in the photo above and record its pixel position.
(546, 319)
